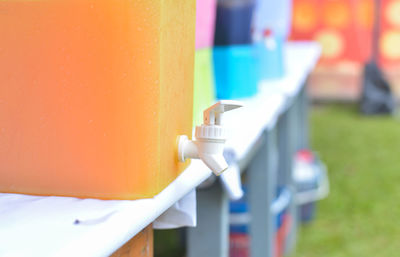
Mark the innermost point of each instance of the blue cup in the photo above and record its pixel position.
(237, 71)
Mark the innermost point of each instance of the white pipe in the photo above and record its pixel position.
(216, 162)
(191, 150)
(209, 151)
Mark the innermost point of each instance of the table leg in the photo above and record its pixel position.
(286, 137)
(211, 236)
(261, 174)
(304, 122)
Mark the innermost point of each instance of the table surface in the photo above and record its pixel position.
(64, 226)
(262, 111)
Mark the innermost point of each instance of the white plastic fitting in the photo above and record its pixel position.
(210, 138)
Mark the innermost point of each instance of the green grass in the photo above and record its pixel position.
(361, 216)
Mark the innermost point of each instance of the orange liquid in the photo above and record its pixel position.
(93, 94)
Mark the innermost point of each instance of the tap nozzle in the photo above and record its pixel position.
(210, 138)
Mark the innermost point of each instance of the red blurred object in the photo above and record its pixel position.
(267, 33)
(239, 245)
(343, 27)
(344, 30)
(281, 235)
(305, 155)
(389, 40)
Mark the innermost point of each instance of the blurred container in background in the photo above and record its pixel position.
(270, 51)
(237, 71)
(271, 26)
(204, 94)
(312, 183)
(233, 23)
(205, 23)
(274, 16)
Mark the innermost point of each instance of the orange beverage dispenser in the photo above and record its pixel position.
(93, 94)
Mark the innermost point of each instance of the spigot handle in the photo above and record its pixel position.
(213, 114)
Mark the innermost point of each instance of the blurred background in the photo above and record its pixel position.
(345, 29)
(358, 218)
(353, 90)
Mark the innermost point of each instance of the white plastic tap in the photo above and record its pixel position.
(210, 138)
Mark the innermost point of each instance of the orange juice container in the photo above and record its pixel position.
(93, 94)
